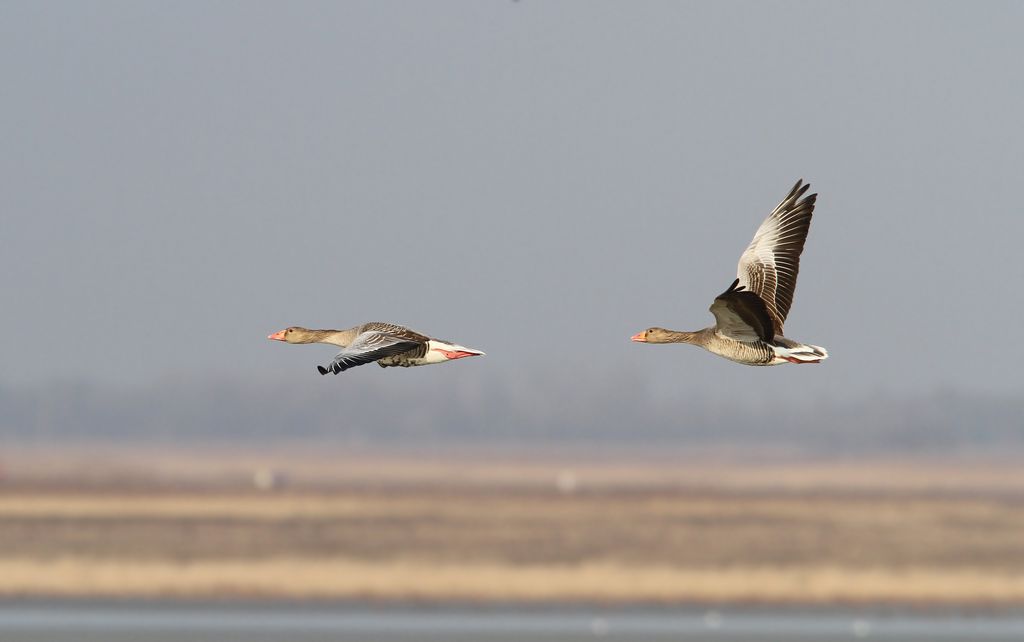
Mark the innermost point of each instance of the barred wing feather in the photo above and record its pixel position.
(770, 265)
(368, 347)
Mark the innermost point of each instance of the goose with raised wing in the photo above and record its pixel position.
(386, 343)
(749, 315)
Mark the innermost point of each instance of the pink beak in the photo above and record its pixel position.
(277, 336)
(640, 337)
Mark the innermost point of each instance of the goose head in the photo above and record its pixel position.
(655, 335)
(294, 334)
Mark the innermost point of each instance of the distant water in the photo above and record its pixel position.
(160, 622)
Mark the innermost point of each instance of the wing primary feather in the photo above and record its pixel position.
(770, 264)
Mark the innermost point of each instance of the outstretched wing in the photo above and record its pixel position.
(394, 330)
(769, 266)
(367, 348)
(742, 315)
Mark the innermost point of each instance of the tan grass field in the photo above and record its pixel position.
(473, 527)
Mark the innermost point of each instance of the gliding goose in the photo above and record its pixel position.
(386, 343)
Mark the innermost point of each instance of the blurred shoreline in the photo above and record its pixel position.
(324, 464)
(349, 525)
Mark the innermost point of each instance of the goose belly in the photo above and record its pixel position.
(749, 354)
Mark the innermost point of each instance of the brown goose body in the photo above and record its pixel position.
(756, 353)
(749, 315)
(387, 344)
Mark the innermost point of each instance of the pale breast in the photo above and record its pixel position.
(751, 354)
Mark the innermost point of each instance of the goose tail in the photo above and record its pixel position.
(799, 353)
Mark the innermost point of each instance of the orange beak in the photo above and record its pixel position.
(277, 336)
(640, 337)
(459, 354)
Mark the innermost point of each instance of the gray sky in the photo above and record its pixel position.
(536, 179)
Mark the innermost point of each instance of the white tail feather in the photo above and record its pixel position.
(800, 354)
